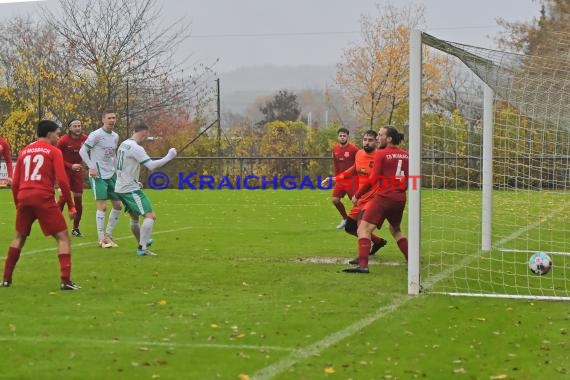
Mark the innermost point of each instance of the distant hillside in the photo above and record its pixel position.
(239, 88)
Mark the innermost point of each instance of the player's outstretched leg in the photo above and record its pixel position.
(114, 216)
(145, 233)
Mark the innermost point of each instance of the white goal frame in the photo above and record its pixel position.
(414, 186)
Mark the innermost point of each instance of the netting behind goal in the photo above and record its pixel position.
(495, 166)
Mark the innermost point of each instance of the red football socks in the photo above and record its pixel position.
(78, 200)
(10, 264)
(403, 245)
(340, 207)
(363, 252)
(65, 266)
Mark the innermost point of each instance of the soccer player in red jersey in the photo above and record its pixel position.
(389, 178)
(39, 165)
(360, 171)
(343, 158)
(69, 144)
(5, 152)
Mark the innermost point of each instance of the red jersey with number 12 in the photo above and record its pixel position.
(39, 165)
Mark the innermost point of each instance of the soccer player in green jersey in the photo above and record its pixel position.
(99, 154)
(130, 156)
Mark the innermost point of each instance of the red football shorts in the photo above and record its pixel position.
(358, 208)
(379, 209)
(45, 211)
(342, 189)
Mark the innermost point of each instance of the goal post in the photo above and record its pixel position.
(492, 146)
(414, 165)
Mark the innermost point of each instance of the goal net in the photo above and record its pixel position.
(492, 145)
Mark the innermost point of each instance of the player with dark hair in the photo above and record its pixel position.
(130, 156)
(389, 178)
(343, 158)
(99, 154)
(5, 152)
(360, 171)
(39, 165)
(70, 144)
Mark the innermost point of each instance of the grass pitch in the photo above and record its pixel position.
(247, 285)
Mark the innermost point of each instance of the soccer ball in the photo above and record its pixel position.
(540, 263)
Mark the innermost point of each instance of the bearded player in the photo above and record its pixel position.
(69, 144)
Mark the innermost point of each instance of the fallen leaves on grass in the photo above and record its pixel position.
(329, 370)
(243, 376)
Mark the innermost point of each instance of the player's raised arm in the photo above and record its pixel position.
(154, 164)
(341, 177)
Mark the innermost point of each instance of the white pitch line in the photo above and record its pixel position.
(92, 243)
(534, 251)
(303, 353)
(44, 339)
(248, 205)
(316, 348)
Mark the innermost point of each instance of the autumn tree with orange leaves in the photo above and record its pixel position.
(373, 74)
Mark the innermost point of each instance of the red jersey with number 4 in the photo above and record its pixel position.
(389, 177)
(343, 157)
(39, 165)
(70, 149)
(390, 173)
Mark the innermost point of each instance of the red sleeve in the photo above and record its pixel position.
(7, 157)
(16, 182)
(61, 142)
(62, 179)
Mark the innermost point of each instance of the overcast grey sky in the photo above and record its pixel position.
(310, 32)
